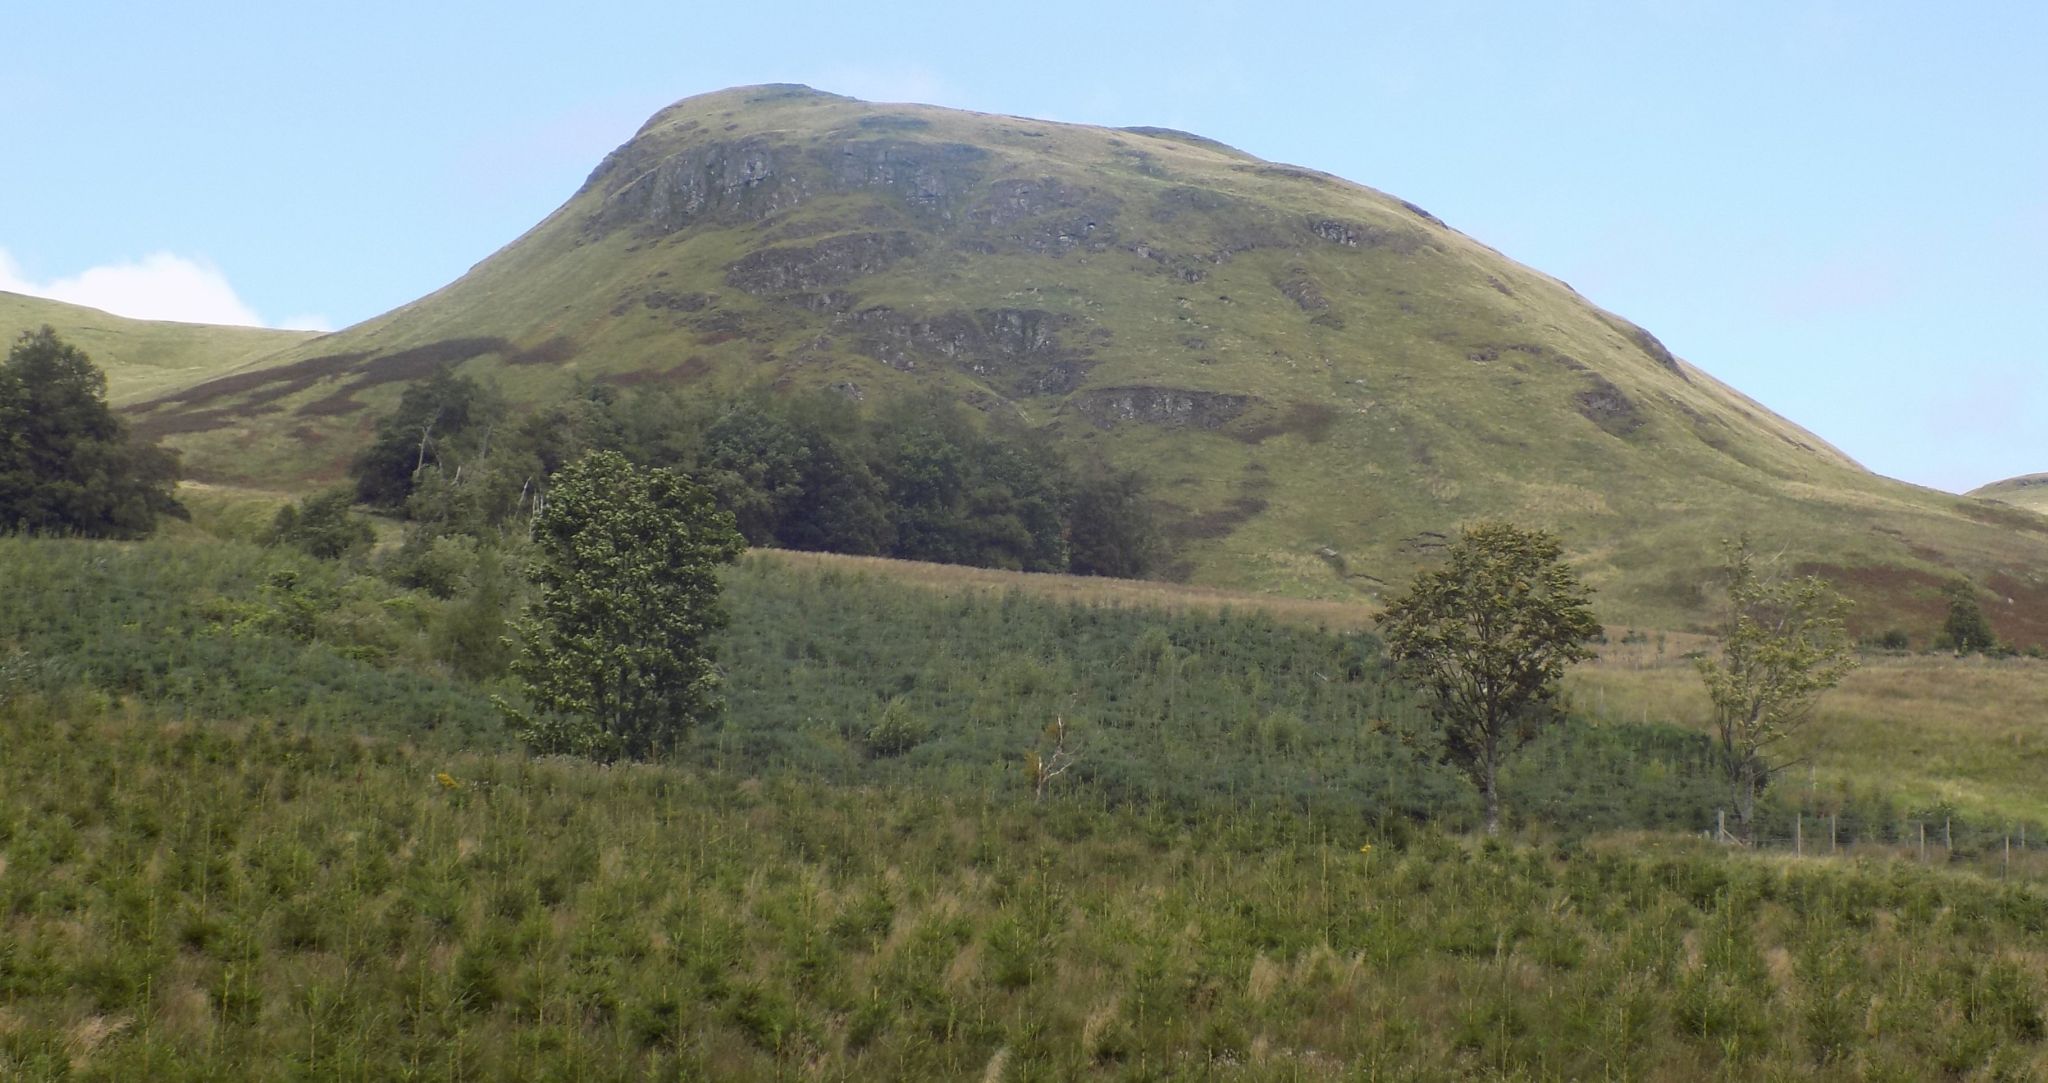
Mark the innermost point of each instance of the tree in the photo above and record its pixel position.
(1966, 631)
(1783, 645)
(67, 464)
(435, 417)
(1486, 638)
(617, 651)
(1111, 529)
(321, 526)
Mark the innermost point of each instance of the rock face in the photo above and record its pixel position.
(1170, 407)
(1019, 350)
(830, 262)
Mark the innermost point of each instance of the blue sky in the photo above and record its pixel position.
(1841, 208)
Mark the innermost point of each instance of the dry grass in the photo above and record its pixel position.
(954, 579)
(1971, 733)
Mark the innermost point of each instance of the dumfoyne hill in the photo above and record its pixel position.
(1322, 380)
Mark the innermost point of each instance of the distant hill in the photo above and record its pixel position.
(2029, 491)
(1323, 381)
(146, 358)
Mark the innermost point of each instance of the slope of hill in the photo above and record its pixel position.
(2029, 491)
(1322, 380)
(144, 359)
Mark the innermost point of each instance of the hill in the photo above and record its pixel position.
(2029, 491)
(146, 358)
(1322, 380)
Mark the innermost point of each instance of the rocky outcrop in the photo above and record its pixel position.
(1363, 235)
(1172, 407)
(932, 179)
(1047, 216)
(816, 267)
(748, 180)
(1607, 406)
(656, 191)
(1017, 350)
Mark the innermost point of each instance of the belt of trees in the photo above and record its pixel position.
(918, 479)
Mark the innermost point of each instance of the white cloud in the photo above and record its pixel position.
(159, 286)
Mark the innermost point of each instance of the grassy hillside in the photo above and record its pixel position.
(207, 902)
(253, 824)
(2029, 491)
(1321, 379)
(144, 359)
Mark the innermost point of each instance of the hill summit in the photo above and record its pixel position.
(1322, 381)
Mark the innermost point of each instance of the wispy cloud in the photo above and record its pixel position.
(159, 286)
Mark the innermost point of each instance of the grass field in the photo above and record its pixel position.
(245, 901)
(252, 826)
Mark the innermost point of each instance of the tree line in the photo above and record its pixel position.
(918, 479)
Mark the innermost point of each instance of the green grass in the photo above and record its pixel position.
(146, 358)
(208, 902)
(253, 827)
(2029, 491)
(1448, 393)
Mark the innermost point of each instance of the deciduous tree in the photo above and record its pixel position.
(1486, 638)
(1965, 630)
(617, 645)
(1784, 644)
(67, 464)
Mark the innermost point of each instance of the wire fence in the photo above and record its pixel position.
(1939, 839)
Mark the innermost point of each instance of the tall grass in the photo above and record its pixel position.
(211, 902)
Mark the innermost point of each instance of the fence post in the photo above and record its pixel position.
(1923, 843)
(2007, 871)
(1831, 832)
(1799, 835)
(1948, 840)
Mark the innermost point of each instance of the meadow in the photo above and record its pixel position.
(254, 823)
(253, 901)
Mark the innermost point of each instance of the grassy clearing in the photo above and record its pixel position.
(212, 902)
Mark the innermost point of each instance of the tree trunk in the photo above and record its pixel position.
(1745, 798)
(1490, 785)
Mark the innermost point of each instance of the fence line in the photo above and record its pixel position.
(1928, 840)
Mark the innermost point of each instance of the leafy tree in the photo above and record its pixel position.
(433, 418)
(756, 462)
(67, 464)
(1486, 638)
(321, 526)
(1111, 529)
(1783, 645)
(617, 645)
(1966, 631)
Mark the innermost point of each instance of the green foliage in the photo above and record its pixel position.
(618, 638)
(67, 464)
(436, 420)
(923, 480)
(1965, 630)
(204, 629)
(1486, 637)
(1784, 644)
(322, 526)
(254, 902)
(1111, 527)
